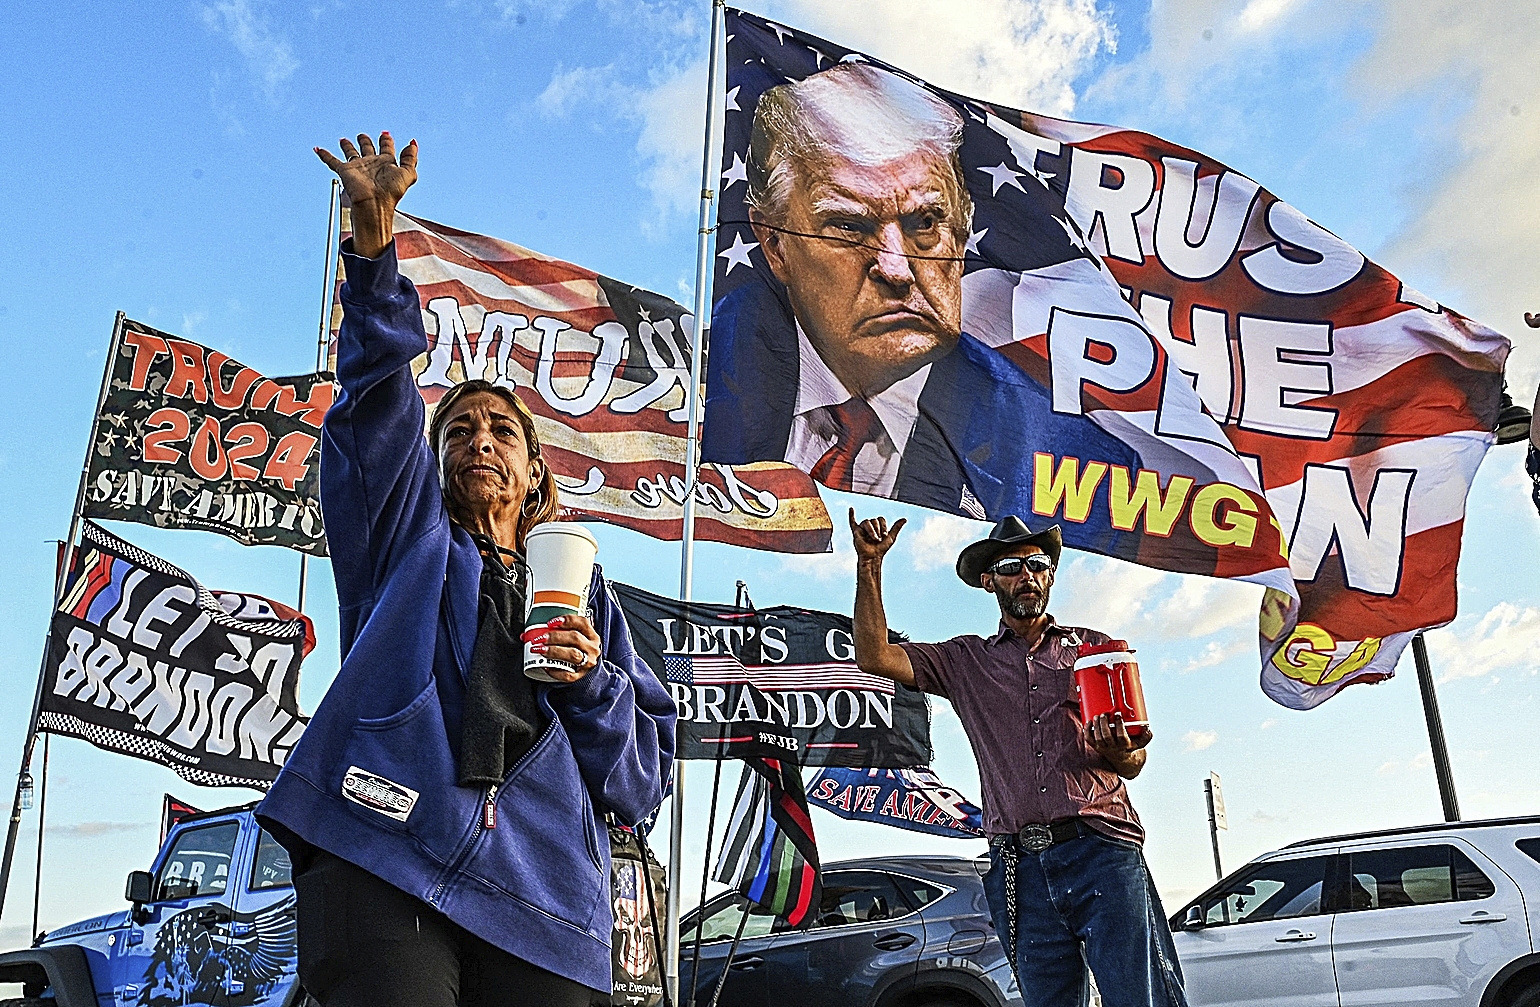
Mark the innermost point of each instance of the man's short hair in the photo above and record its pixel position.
(858, 112)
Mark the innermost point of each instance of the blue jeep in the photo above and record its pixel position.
(211, 923)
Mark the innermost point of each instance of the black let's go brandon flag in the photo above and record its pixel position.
(189, 438)
(774, 683)
(144, 660)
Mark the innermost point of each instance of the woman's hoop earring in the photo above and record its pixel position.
(534, 497)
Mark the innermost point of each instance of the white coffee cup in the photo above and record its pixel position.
(560, 556)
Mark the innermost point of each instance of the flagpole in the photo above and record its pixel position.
(42, 817)
(29, 740)
(691, 463)
(322, 334)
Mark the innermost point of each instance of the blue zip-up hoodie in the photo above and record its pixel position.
(373, 778)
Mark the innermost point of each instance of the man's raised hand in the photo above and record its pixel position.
(873, 537)
(375, 182)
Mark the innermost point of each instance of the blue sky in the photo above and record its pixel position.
(158, 161)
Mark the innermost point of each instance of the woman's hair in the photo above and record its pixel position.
(541, 504)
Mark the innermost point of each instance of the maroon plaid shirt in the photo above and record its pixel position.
(1019, 709)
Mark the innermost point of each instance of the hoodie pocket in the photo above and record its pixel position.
(397, 774)
(544, 851)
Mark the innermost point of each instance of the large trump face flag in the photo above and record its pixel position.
(927, 297)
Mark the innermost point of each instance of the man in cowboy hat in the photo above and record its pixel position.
(1068, 885)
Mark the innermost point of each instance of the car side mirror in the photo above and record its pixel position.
(1195, 919)
(140, 887)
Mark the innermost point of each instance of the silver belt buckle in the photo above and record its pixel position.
(1035, 838)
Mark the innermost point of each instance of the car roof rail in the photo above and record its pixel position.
(1412, 830)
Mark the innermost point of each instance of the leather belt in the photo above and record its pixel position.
(1037, 837)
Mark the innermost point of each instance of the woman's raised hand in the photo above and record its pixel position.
(375, 182)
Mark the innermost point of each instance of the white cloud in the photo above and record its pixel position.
(1197, 741)
(1138, 602)
(268, 54)
(1473, 223)
(1260, 14)
(838, 566)
(1422, 760)
(583, 85)
(518, 11)
(1025, 53)
(934, 545)
(1268, 724)
(92, 830)
(1212, 654)
(1387, 768)
(1200, 606)
(1506, 638)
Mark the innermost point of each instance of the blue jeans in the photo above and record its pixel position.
(1085, 901)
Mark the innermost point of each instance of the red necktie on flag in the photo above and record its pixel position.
(856, 425)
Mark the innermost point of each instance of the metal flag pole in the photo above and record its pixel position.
(42, 818)
(328, 285)
(1435, 731)
(30, 738)
(691, 462)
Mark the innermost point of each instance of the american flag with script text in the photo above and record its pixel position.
(603, 365)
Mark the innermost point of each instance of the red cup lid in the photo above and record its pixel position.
(1110, 647)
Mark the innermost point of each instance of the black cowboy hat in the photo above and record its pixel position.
(1009, 533)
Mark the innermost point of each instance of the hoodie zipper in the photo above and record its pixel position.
(486, 820)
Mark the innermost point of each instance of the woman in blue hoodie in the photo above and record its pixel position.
(445, 813)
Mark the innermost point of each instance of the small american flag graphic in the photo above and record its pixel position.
(725, 669)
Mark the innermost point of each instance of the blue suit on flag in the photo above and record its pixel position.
(979, 419)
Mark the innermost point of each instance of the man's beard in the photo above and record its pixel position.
(1023, 604)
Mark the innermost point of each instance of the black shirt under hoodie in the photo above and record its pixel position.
(502, 718)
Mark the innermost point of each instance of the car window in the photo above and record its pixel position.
(1531, 847)
(198, 862)
(721, 922)
(1275, 890)
(270, 868)
(919, 893)
(1413, 876)
(858, 897)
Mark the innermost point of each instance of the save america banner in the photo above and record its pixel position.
(913, 799)
(774, 683)
(143, 660)
(189, 438)
(923, 296)
(604, 366)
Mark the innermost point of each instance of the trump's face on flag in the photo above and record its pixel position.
(856, 200)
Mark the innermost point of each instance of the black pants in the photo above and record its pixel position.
(365, 943)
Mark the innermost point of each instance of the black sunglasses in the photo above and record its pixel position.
(1010, 567)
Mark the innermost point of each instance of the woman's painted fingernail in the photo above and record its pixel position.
(557, 622)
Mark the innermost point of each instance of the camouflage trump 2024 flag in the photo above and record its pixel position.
(924, 296)
(603, 366)
(189, 438)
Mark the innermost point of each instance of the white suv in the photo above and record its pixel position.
(1443, 914)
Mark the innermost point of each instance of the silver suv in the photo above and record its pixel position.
(1444, 914)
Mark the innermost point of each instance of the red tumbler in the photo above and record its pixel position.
(1107, 679)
